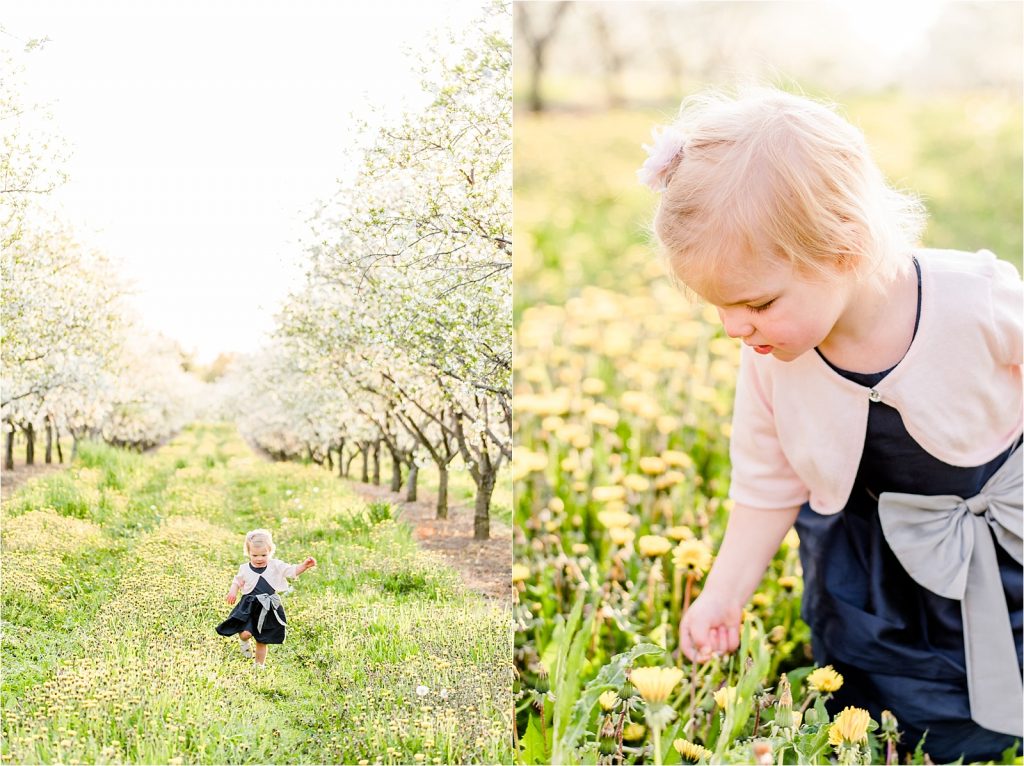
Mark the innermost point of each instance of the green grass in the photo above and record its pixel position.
(114, 579)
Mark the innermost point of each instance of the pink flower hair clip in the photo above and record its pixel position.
(659, 165)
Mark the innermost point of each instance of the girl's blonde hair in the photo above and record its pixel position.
(769, 173)
(260, 536)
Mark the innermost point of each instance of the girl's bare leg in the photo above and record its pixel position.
(261, 652)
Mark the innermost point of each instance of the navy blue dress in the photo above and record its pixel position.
(246, 614)
(898, 645)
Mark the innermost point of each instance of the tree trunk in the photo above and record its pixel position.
(56, 441)
(442, 491)
(482, 513)
(410, 482)
(49, 441)
(30, 445)
(9, 452)
(330, 460)
(74, 447)
(396, 471)
(342, 466)
(376, 462)
(365, 450)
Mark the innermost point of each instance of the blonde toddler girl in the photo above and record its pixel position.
(259, 615)
(878, 408)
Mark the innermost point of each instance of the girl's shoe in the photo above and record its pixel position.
(260, 666)
(246, 648)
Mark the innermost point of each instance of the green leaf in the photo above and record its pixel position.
(611, 677)
(566, 687)
(534, 748)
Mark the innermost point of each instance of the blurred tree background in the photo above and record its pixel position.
(936, 88)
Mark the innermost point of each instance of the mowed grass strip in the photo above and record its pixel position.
(148, 679)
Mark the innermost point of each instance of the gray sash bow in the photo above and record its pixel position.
(269, 602)
(943, 542)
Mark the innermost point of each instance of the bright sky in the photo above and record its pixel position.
(204, 130)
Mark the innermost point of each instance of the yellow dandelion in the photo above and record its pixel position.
(551, 423)
(592, 386)
(526, 461)
(789, 582)
(655, 684)
(653, 545)
(693, 555)
(725, 696)
(603, 415)
(850, 726)
(520, 572)
(621, 536)
(679, 533)
(636, 482)
(666, 424)
(825, 680)
(580, 549)
(614, 519)
(691, 750)
(652, 466)
(604, 494)
(608, 700)
(760, 599)
(631, 732)
(669, 479)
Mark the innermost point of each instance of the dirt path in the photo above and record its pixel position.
(11, 480)
(485, 566)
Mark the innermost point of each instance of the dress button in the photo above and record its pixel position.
(874, 396)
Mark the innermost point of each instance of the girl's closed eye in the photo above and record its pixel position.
(762, 307)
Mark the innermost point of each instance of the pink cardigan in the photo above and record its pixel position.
(798, 427)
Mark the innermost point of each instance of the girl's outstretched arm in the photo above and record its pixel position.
(309, 563)
(233, 591)
(752, 537)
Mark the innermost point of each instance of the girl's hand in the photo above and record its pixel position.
(230, 598)
(309, 563)
(710, 626)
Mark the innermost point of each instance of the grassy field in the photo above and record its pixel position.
(114, 574)
(624, 393)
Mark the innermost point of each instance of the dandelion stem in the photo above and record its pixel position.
(656, 731)
(807, 702)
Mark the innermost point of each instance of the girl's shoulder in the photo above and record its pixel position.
(955, 265)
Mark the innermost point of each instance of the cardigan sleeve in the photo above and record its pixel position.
(1007, 313)
(290, 571)
(761, 475)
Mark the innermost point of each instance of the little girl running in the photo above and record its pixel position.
(260, 614)
(878, 408)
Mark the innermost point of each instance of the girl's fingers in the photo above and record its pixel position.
(721, 640)
(734, 638)
(686, 642)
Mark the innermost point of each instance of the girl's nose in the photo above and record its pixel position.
(736, 326)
